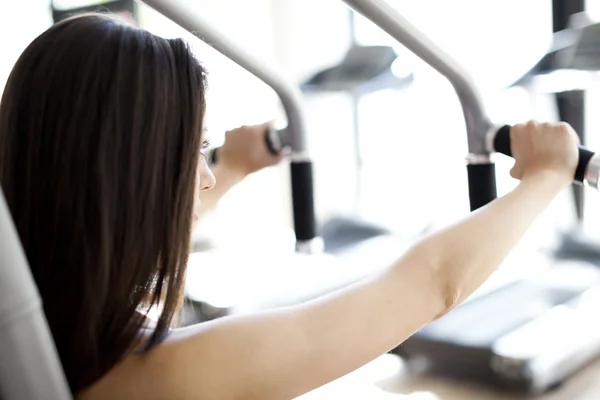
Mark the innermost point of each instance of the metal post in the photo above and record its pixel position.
(355, 99)
(571, 104)
(481, 170)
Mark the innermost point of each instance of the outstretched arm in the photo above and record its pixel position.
(283, 353)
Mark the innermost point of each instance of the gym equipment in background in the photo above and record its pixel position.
(363, 70)
(30, 368)
(565, 71)
(531, 333)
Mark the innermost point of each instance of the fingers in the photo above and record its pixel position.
(255, 137)
(568, 130)
(542, 148)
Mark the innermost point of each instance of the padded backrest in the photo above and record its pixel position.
(29, 364)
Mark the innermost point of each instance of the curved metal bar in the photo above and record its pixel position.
(185, 13)
(389, 20)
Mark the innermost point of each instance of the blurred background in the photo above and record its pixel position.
(392, 156)
(496, 41)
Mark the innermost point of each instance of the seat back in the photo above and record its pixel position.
(30, 368)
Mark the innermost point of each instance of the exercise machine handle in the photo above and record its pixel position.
(273, 140)
(588, 169)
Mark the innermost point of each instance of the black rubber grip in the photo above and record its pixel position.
(502, 145)
(305, 224)
(502, 141)
(271, 141)
(482, 184)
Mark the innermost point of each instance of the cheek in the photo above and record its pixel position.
(197, 181)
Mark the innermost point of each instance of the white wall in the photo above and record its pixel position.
(20, 23)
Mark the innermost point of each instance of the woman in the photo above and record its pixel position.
(101, 164)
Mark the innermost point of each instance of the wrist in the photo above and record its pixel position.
(550, 179)
(227, 174)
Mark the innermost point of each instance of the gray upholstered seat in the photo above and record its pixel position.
(29, 365)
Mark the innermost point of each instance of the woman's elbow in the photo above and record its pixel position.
(450, 295)
(440, 278)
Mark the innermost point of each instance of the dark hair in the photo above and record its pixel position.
(100, 134)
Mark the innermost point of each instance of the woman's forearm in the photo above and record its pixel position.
(465, 254)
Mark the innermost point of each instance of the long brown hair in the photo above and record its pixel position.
(100, 133)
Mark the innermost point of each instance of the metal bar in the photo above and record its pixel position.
(186, 14)
(571, 104)
(480, 168)
(388, 19)
(358, 157)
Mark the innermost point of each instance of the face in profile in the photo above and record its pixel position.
(205, 180)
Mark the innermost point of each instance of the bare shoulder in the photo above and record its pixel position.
(156, 374)
(138, 376)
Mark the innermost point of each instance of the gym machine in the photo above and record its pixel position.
(30, 367)
(529, 335)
